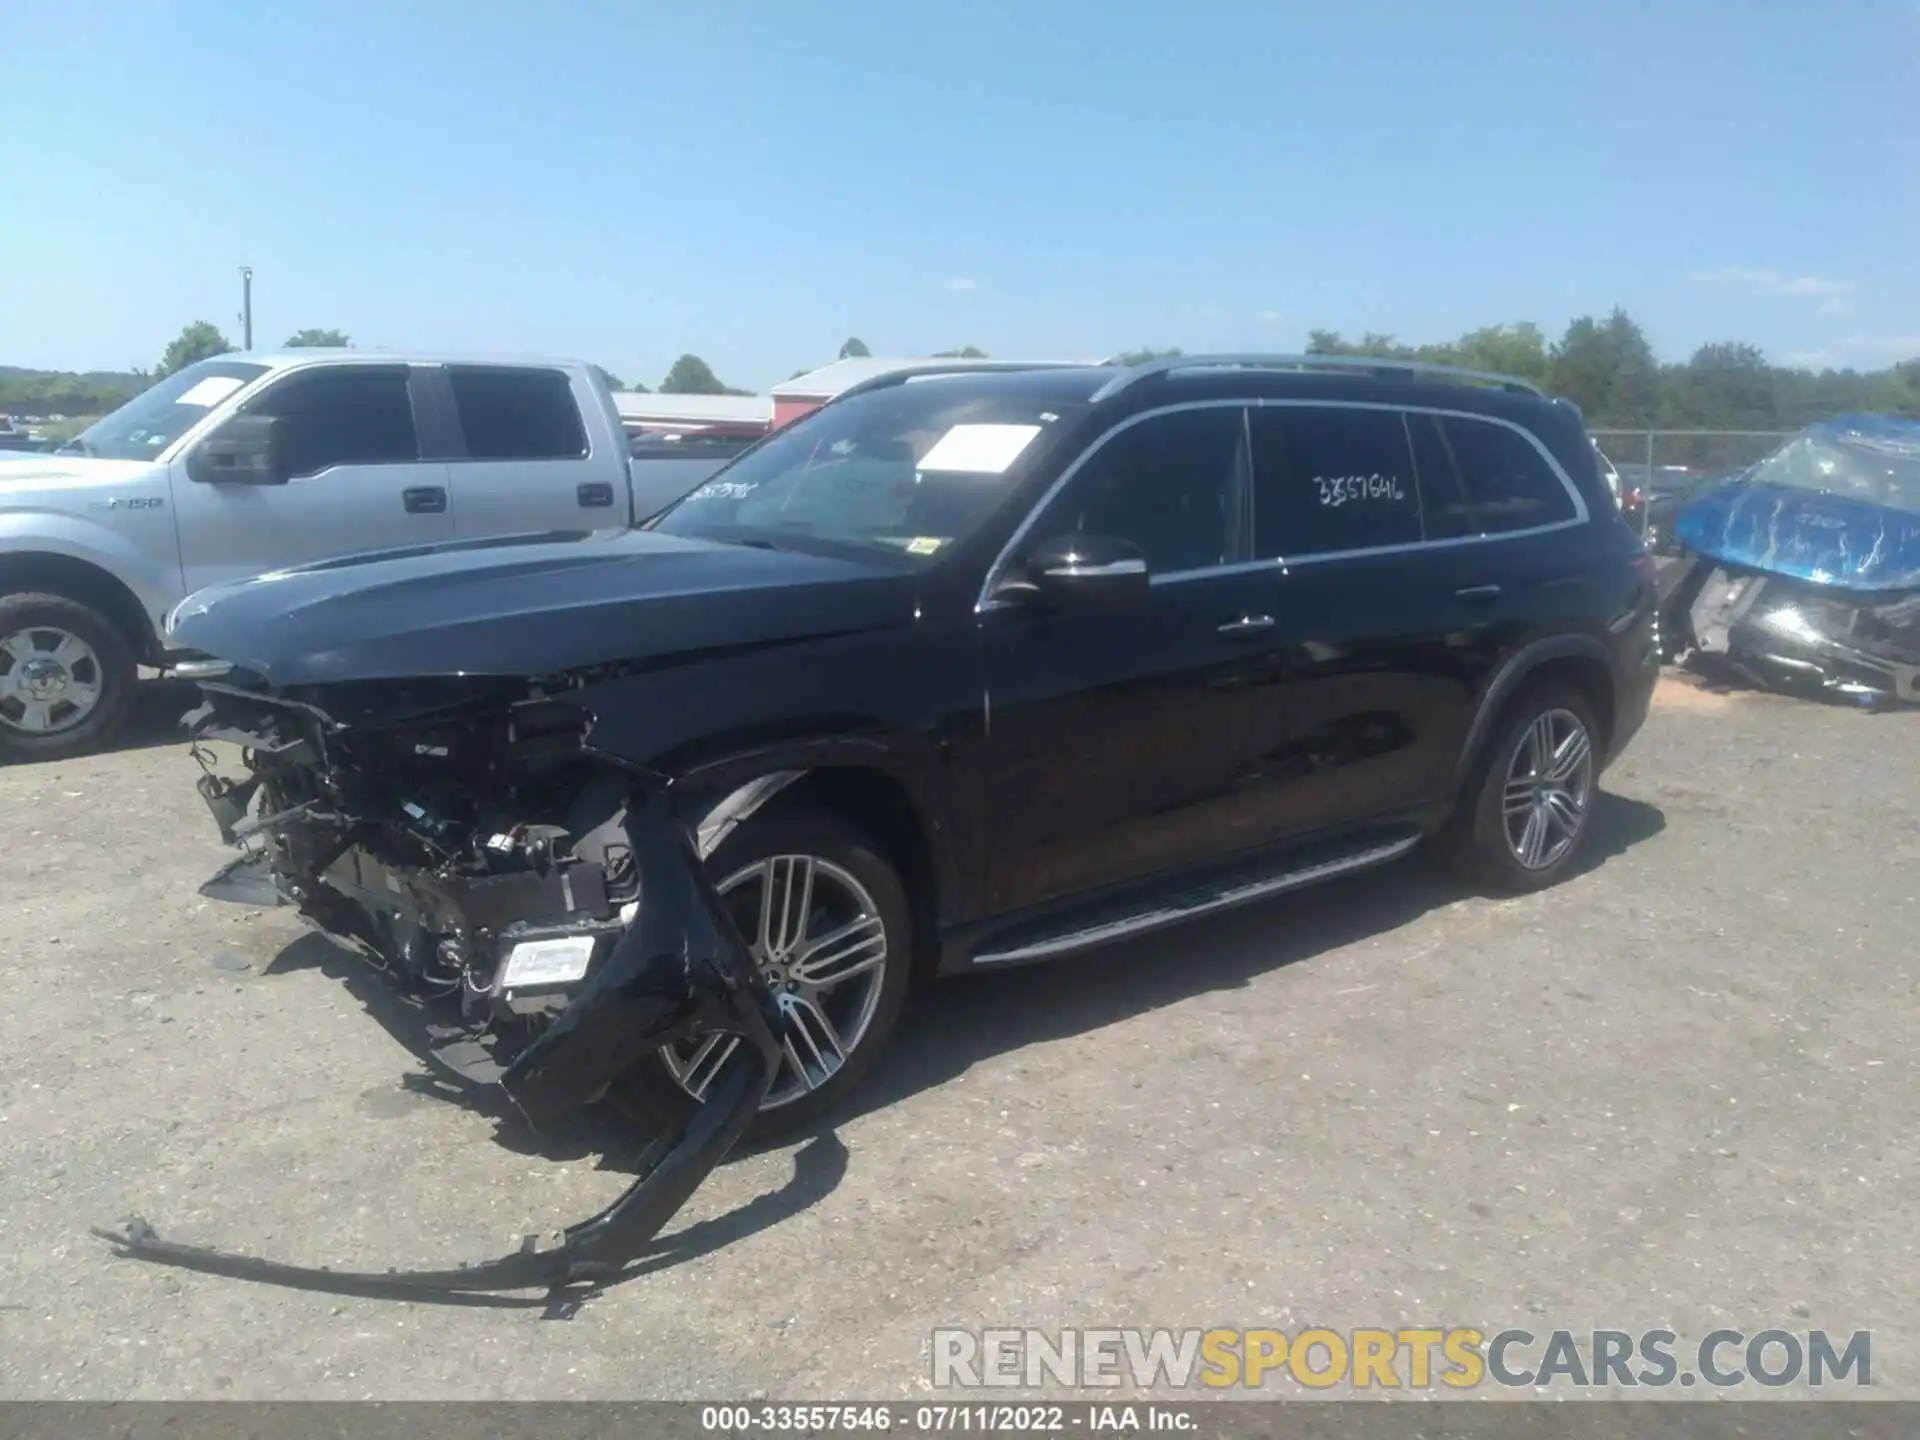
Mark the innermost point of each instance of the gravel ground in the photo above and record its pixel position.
(1678, 1090)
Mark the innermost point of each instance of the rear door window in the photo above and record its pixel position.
(1329, 480)
(1501, 475)
(517, 414)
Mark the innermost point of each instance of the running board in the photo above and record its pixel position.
(1205, 902)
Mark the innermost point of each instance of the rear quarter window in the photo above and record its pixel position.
(1485, 477)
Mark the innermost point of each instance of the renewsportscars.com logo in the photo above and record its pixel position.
(1458, 1358)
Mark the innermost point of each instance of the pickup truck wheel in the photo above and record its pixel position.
(831, 927)
(1525, 812)
(67, 678)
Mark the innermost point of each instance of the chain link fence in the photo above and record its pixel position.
(1640, 455)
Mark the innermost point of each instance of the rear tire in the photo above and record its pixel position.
(67, 677)
(856, 894)
(1524, 813)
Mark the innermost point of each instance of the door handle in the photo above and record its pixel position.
(1478, 592)
(1248, 625)
(424, 499)
(594, 495)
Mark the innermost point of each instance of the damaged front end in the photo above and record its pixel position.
(1804, 573)
(1794, 636)
(460, 837)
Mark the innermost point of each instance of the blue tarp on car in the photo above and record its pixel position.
(1838, 504)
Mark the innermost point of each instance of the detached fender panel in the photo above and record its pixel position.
(680, 968)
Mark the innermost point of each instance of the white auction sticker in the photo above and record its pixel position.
(210, 391)
(979, 449)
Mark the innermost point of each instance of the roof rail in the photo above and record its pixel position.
(1380, 367)
(956, 367)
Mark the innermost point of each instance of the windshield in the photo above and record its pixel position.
(162, 413)
(1877, 463)
(909, 469)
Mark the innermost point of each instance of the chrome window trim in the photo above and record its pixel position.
(1581, 515)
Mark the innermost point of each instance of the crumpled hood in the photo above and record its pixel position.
(530, 606)
(1826, 539)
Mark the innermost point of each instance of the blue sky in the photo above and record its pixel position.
(755, 182)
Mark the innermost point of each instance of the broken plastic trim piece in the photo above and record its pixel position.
(681, 969)
(591, 1252)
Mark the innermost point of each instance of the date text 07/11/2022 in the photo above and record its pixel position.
(934, 1419)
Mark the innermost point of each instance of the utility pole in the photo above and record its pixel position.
(246, 307)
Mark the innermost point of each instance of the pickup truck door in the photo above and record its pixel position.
(350, 442)
(529, 455)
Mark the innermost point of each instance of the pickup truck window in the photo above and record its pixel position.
(909, 469)
(164, 411)
(342, 415)
(510, 414)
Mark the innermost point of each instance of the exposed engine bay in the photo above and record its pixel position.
(459, 837)
(1781, 633)
(434, 846)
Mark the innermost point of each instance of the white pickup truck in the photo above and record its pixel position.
(253, 462)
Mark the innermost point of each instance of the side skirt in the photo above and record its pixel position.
(1023, 942)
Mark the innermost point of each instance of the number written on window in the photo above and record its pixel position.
(1331, 480)
(1344, 489)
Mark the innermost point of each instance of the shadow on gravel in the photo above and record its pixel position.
(955, 1023)
(158, 704)
(951, 1026)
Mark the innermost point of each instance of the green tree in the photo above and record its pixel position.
(969, 352)
(1519, 350)
(318, 340)
(1143, 355)
(854, 350)
(1607, 368)
(1730, 385)
(691, 375)
(611, 380)
(198, 341)
(1371, 344)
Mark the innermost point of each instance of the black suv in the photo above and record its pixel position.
(974, 666)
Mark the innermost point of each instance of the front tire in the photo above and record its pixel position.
(1526, 809)
(831, 928)
(67, 677)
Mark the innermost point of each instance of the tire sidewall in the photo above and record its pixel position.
(118, 674)
(652, 1094)
(1492, 855)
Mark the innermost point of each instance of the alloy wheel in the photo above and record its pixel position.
(1549, 785)
(50, 680)
(821, 944)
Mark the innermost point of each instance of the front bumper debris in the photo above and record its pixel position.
(1792, 635)
(680, 970)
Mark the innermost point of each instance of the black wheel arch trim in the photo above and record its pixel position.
(721, 793)
(1520, 667)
